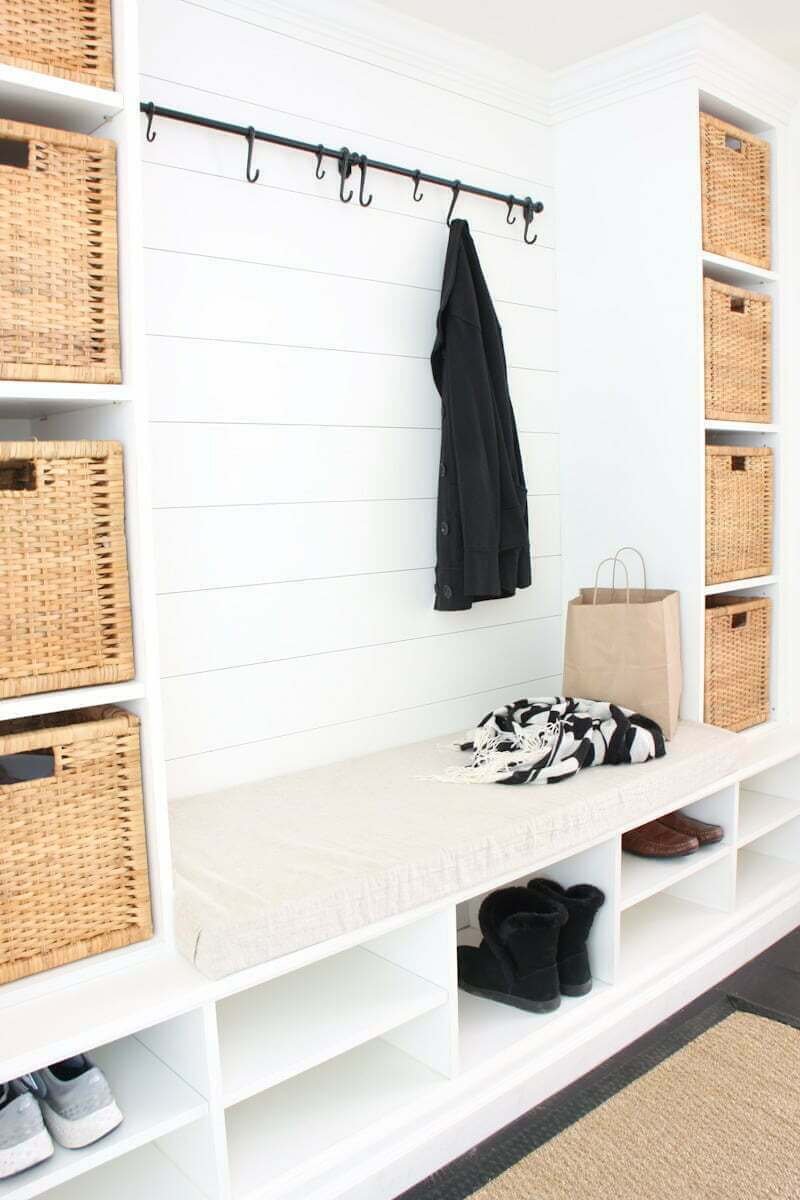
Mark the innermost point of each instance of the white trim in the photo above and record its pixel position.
(701, 50)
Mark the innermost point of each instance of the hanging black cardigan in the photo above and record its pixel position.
(483, 549)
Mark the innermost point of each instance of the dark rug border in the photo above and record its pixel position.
(503, 1149)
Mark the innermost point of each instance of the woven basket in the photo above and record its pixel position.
(737, 661)
(68, 38)
(739, 505)
(65, 616)
(59, 310)
(738, 353)
(735, 168)
(73, 857)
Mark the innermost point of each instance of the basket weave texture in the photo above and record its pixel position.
(65, 614)
(68, 38)
(737, 661)
(59, 308)
(735, 169)
(73, 857)
(738, 353)
(739, 508)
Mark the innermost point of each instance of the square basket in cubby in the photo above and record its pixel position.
(59, 307)
(735, 178)
(738, 353)
(73, 854)
(65, 613)
(68, 38)
(739, 512)
(737, 657)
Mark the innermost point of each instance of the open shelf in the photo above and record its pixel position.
(660, 930)
(144, 1172)
(70, 698)
(487, 1028)
(293, 1023)
(644, 877)
(304, 1124)
(740, 585)
(730, 270)
(154, 1100)
(32, 400)
(43, 99)
(742, 426)
(758, 875)
(760, 813)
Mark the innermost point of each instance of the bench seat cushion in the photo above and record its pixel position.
(267, 868)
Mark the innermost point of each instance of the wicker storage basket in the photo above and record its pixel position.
(65, 616)
(73, 858)
(68, 38)
(739, 504)
(735, 169)
(737, 661)
(738, 353)
(59, 310)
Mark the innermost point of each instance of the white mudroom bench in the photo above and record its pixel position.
(309, 1039)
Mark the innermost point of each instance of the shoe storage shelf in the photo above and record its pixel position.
(676, 328)
(314, 1076)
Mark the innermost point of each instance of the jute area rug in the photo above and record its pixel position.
(718, 1119)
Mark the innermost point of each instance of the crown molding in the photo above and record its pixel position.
(700, 50)
(377, 35)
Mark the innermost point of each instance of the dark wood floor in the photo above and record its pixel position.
(769, 983)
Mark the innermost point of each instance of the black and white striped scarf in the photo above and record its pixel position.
(550, 738)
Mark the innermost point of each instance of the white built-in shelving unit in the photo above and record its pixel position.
(353, 1067)
(49, 410)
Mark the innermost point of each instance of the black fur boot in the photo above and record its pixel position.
(581, 902)
(516, 961)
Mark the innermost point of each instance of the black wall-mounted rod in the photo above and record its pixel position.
(346, 160)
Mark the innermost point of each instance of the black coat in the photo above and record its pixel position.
(483, 548)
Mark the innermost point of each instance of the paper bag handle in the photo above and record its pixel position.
(633, 550)
(613, 588)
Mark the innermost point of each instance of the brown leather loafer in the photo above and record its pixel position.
(706, 834)
(655, 840)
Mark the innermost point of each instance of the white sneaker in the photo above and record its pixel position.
(77, 1104)
(24, 1141)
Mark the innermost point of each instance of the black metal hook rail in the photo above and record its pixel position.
(345, 159)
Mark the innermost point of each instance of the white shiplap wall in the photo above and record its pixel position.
(295, 425)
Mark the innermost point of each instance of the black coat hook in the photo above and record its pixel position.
(414, 195)
(509, 219)
(363, 162)
(150, 109)
(345, 167)
(528, 209)
(251, 141)
(320, 172)
(456, 190)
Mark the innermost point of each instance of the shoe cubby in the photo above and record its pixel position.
(158, 1097)
(768, 801)
(147, 1172)
(298, 1021)
(487, 1028)
(643, 877)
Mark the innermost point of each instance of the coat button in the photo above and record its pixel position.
(442, 470)
(447, 591)
(444, 528)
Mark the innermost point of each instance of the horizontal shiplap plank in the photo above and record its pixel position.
(313, 616)
(200, 465)
(276, 756)
(192, 214)
(239, 382)
(249, 62)
(216, 298)
(237, 546)
(224, 708)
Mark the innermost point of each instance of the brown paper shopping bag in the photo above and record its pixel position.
(624, 645)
